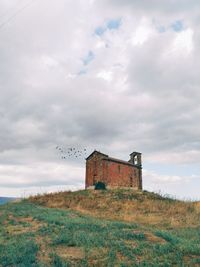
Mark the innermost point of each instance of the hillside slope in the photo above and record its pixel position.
(127, 205)
(100, 228)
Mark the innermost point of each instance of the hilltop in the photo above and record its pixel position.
(100, 228)
(142, 207)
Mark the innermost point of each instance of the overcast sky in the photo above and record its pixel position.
(113, 75)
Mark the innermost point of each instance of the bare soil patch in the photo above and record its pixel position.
(73, 253)
(23, 225)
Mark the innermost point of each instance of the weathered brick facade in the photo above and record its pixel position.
(113, 172)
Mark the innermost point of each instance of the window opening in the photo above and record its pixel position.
(119, 168)
(131, 181)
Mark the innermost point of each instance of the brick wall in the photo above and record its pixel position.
(121, 175)
(94, 170)
(113, 174)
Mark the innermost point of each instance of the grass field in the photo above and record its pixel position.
(34, 235)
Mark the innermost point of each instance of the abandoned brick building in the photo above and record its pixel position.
(114, 172)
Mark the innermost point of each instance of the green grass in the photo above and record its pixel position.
(55, 237)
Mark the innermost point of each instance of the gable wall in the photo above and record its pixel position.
(94, 170)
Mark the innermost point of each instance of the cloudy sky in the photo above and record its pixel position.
(112, 75)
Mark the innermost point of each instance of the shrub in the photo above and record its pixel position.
(100, 186)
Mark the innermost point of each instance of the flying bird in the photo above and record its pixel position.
(71, 152)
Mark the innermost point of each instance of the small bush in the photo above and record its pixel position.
(100, 186)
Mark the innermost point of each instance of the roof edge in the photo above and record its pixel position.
(97, 152)
(119, 161)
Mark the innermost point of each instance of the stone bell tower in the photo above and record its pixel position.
(136, 159)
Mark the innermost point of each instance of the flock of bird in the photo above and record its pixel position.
(71, 152)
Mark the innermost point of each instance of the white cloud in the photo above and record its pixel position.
(34, 176)
(143, 32)
(182, 44)
(177, 157)
(182, 187)
(106, 75)
(139, 92)
(164, 179)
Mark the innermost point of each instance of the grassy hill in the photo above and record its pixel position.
(127, 205)
(100, 228)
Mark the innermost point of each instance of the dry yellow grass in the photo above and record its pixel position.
(74, 253)
(44, 251)
(23, 225)
(132, 206)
